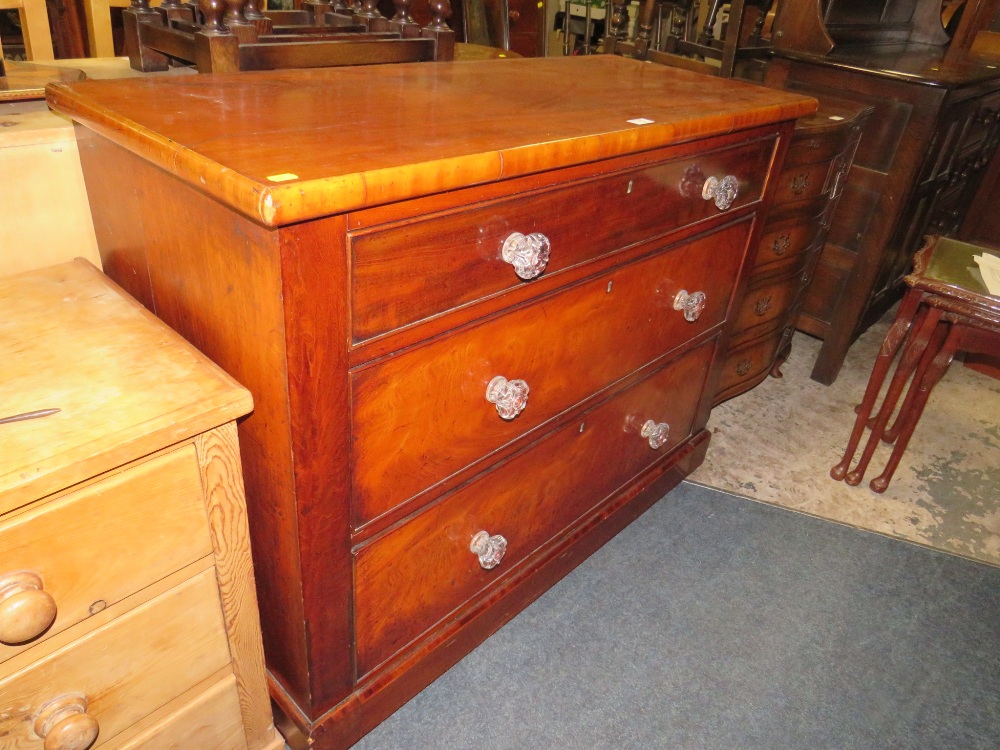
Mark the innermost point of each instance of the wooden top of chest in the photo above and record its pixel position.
(125, 384)
(293, 145)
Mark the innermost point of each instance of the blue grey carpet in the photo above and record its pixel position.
(717, 622)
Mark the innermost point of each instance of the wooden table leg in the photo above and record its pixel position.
(894, 338)
(923, 387)
(916, 349)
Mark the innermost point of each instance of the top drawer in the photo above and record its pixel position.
(91, 548)
(404, 273)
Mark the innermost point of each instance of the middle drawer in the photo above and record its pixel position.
(422, 416)
(415, 575)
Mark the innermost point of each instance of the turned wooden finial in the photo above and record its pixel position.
(619, 20)
(644, 32)
(234, 13)
(402, 15)
(251, 11)
(369, 9)
(212, 11)
(440, 13)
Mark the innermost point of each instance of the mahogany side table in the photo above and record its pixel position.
(947, 309)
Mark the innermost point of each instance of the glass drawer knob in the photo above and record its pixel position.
(691, 304)
(529, 254)
(656, 432)
(509, 396)
(723, 191)
(489, 549)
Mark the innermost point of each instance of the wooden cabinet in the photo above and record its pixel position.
(474, 358)
(783, 281)
(128, 614)
(934, 129)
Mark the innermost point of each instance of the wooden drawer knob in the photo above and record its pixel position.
(509, 396)
(64, 724)
(691, 304)
(26, 609)
(723, 191)
(528, 254)
(489, 549)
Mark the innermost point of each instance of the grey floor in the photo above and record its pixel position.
(717, 622)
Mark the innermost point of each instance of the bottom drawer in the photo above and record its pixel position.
(212, 721)
(766, 301)
(415, 575)
(124, 670)
(746, 363)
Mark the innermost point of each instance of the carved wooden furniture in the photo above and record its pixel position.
(946, 310)
(682, 44)
(34, 29)
(918, 165)
(128, 614)
(779, 291)
(225, 38)
(392, 295)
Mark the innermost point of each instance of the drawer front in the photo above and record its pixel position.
(417, 574)
(421, 416)
(766, 302)
(405, 273)
(817, 148)
(211, 720)
(126, 669)
(92, 548)
(800, 183)
(751, 361)
(784, 240)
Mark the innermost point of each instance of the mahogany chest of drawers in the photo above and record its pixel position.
(479, 318)
(128, 616)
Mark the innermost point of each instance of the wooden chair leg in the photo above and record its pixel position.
(917, 345)
(934, 372)
(35, 28)
(894, 338)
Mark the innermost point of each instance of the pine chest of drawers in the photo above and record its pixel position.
(478, 306)
(128, 615)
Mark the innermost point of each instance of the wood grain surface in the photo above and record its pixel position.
(147, 382)
(385, 133)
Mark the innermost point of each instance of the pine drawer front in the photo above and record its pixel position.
(767, 301)
(438, 263)
(210, 721)
(93, 547)
(125, 670)
(426, 567)
(423, 415)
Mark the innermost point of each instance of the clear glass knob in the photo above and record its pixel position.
(529, 254)
(509, 396)
(691, 304)
(489, 549)
(723, 191)
(656, 432)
